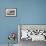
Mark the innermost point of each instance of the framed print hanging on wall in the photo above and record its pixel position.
(10, 11)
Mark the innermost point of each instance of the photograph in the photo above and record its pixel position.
(11, 12)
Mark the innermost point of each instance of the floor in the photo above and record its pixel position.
(7, 45)
(30, 43)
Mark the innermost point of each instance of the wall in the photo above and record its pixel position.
(28, 12)
(33, 12)
(8, 24)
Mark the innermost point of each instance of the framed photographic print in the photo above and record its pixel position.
(10, 11)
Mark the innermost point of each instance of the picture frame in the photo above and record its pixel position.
(10, 11)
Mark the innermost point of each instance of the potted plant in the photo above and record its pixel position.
(11, 37)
